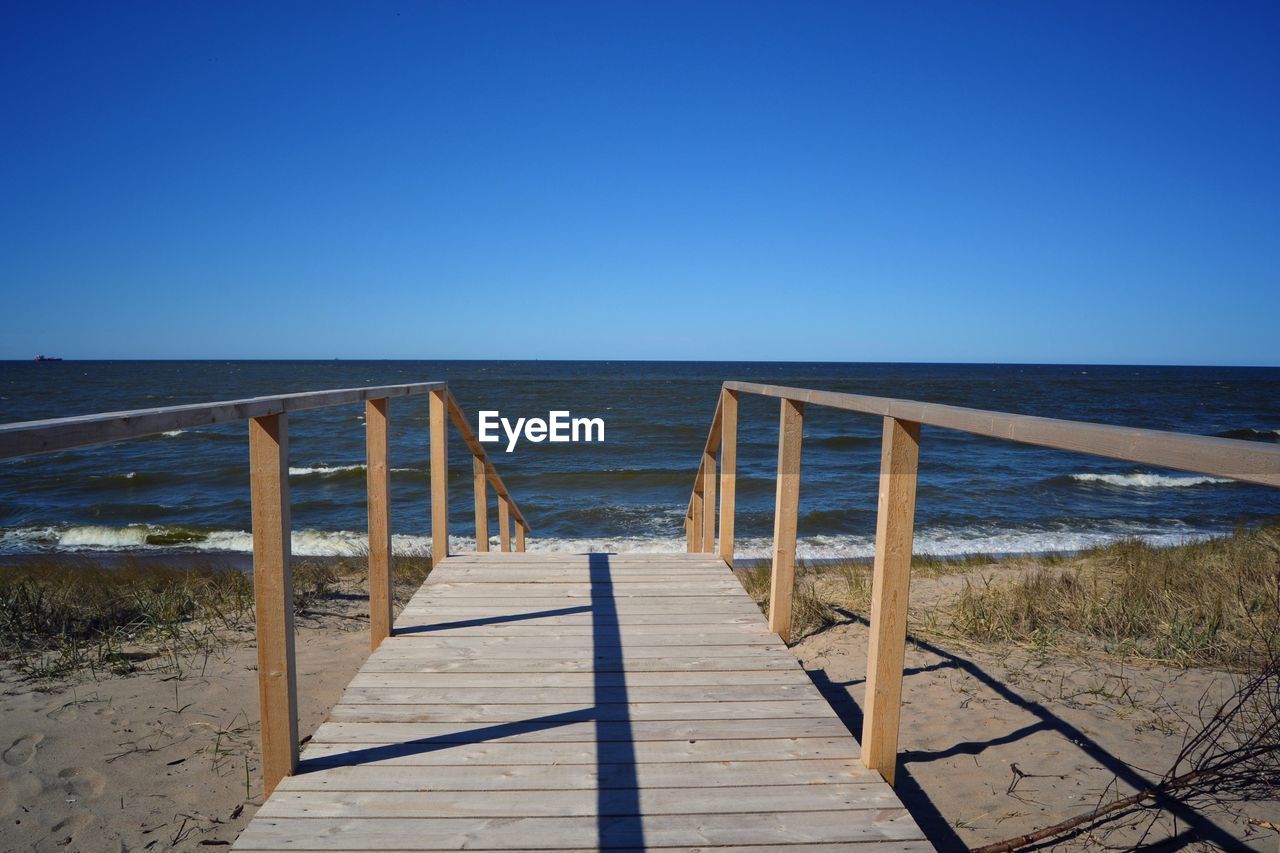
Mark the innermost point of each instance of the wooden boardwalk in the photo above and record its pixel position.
(536, 702)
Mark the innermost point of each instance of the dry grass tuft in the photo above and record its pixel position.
(1208, 603)
(62, 615)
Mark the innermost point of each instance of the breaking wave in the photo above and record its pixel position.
(1147, 481)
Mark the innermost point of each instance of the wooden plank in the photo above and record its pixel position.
(30, 437)
(786, 509)
(747, 799)
(731, 632)
(555, 731)
(374, 711)
(478, 482)
(728, 471)
(273, 596)
(474, 698)
(890, 589)
(439, 478)
(793, 755)
(628, 663)
(378, 483)
(584, 680)
(504, 525)
(1249, 461)
(439, 622)
(690, 831)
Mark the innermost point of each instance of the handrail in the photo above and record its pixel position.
(1246, 461)
(45, 436)
(269, 486)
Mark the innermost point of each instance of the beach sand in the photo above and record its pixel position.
(158, 760)
(153, 761)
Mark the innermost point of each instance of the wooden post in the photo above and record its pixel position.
(786, 508)
(273, 596)
(482, 504)
(708, 502)
(439, 478)
(378, 477)
(520, 537)
(504, 524)
(890, 586)
(696, 521)
(728, 471)
(688, 532)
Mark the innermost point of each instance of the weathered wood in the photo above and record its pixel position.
(709, 502)
(728, 471)
(605, 731)
(689, 831)
(789, 755)
(504, 525)
(29, 437)
(583, 801)
(1249, 461)
(463, 426)
(439, 478)
(378, 480)
(890, 588)
(478, 479)
(273, 596)
(786, 510)
(695, 541)
(520, 541)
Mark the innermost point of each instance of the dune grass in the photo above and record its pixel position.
(1214, 603)
(62, 615)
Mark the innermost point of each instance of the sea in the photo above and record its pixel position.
(187, 491)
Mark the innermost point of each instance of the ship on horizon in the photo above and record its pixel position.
(48, 358)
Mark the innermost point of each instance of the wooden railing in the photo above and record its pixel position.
(899, 462)
(269, 488)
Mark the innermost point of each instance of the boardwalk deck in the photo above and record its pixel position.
(541, 702)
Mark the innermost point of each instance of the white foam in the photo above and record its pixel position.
(107, 538)
(173, 433)
(939, 542)
(326, 470)
(323, 469)
(1147, 481)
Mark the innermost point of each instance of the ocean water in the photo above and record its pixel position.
(188, 491)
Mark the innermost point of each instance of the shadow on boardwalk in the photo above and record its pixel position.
(619, 819)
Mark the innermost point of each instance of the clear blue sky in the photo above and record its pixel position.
(1093, 182)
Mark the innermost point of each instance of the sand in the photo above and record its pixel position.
(158, 760)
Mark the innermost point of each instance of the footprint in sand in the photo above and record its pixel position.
(83, 782)
(22, 750)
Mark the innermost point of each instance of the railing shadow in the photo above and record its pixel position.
(618, 816)
(931, 821)
(618, 819)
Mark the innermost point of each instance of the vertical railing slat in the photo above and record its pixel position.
(786, 508)
(695, 542)
(890, 587)
(728, 471)
(439, 477)
(708, 502)
(520, 533)
(378, 478)
(273, 596)
(504, 524)
(480, 483)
